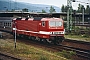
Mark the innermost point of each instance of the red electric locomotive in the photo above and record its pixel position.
(42, 29)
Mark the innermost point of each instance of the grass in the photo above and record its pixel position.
(79, 33)
(27, 52)
(67, 54)
(78, 37)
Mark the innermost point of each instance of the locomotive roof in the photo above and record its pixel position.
(37, 19)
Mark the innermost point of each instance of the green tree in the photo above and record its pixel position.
(63, 8)
(80, 7)
(52, 9)
(43, 11)
(66, 8)
(87, 9)
(25, 10)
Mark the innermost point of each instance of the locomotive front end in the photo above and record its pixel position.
(56, 28)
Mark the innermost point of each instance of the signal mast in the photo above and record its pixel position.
(69, 15)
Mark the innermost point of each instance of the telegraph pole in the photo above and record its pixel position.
(69, 15)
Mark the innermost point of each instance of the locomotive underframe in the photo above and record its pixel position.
(55, 39)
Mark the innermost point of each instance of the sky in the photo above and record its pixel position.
(57, 3)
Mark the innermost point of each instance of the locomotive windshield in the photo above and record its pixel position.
(55, 23)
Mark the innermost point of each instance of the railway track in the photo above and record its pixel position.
(81, 53)
(81, 45)
(7, 57)
(82, 49)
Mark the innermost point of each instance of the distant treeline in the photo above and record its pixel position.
(79, 10)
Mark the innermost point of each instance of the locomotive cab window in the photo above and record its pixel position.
(55, 23)
(43, 23)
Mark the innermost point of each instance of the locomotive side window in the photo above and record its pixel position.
(43, 23)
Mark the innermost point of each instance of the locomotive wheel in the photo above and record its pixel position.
(38, 39)
(22, 36)
(33, 38)
(49, 41)
(29, 37)
(44, 40)
(58, 42)
(41, 39)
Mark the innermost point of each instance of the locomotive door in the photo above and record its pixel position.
(42, 26)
